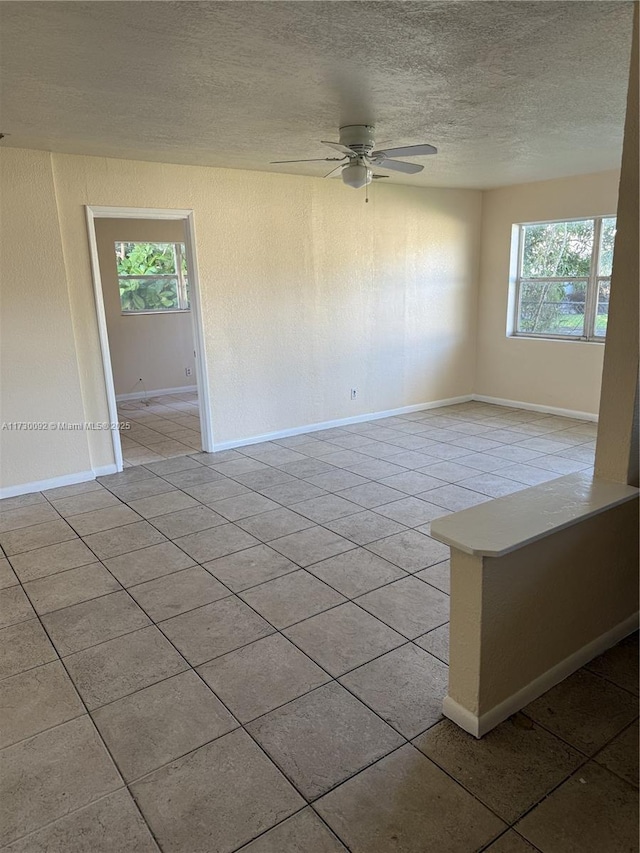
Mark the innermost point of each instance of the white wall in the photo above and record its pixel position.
(306, 293)
(38, 364)
(154, 348)
(562, 374)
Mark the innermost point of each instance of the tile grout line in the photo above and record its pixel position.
(241, 725)
(277, 631)
(304, 568)
(334, 679)
(94, 727)
(81, 808)
(594, 757)
(231, 593)
(563, 738)
(373, 440)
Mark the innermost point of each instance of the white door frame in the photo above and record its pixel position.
(94, 212)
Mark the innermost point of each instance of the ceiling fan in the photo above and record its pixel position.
(359, 158)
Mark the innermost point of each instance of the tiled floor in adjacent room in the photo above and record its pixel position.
(248, 650)
(159, 427)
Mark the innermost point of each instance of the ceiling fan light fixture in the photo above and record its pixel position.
(356, 175)
(359, 157)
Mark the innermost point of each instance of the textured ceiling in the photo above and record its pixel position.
(507, 91)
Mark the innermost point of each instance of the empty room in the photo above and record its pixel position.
(319, 426)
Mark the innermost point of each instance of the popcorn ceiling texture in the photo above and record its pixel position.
(509, 92)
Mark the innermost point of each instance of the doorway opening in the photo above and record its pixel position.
(150, 324)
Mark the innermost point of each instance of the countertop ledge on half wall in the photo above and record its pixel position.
(505, 524)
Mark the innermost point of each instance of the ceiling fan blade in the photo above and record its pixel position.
(339, 147)
(313, 160)
(399, 166)
(335, 172)
(406, 151)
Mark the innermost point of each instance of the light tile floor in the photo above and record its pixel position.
(159, 427)
(248, 650)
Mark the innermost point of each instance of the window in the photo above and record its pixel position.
(152, 277)
(564, 277)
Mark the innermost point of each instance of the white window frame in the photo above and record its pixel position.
(183, 297)
(592, 281)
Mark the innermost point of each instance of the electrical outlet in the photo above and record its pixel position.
(187, 371)
(354, 393)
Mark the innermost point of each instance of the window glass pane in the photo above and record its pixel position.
(552, 308)
(606, 245)
(557, 249)
(148, 294)
(145, 258)
(187, 291)
(602, 311)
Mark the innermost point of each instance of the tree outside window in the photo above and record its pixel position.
(152, 277)
(564, 278)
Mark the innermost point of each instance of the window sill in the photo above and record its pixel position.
(155, 313)
(566, 338)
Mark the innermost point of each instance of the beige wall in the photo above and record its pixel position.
(306, 292)
(522, 621)
(562, 374)
(38, 365)
(516, 618)
(153, 347)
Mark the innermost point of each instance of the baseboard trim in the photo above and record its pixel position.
(461, 716)
(158, 392)
(83, 476)
(56, 482)
(535, 407)
(356, 419)
(480, 725)
(42, 485)
(103, 470)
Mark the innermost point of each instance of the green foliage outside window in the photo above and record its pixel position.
(148, 278)
(565, 251)
(145, 258)
(557, 249)
(148, 294)
(606, 246)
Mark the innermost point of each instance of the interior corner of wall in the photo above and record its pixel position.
(478, 293)
(75, 256)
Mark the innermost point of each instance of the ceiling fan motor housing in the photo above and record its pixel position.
(358, 137)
